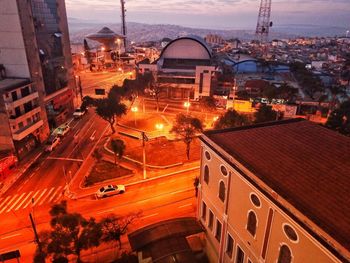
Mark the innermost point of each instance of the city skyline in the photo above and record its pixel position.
(225, 15)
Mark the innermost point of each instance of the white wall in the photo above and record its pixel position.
(187, 49)
(12, 50)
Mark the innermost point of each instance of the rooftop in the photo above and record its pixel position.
(306, 164)
(11, 83)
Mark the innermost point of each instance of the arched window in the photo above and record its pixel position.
(251, 224)
(222, 191)
(285, 255)
(206, 174)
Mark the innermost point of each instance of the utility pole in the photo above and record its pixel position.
(264, 23)
(122, 5)
(144, 139)
(35, 233)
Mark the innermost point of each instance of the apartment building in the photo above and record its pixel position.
(21, 122)
(34, 45)
(275, 192)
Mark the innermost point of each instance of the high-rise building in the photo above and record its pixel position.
(35, 61)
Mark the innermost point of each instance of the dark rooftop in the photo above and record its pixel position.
(12, 83)
(305, 163)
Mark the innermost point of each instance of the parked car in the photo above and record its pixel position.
(78, 113)
(52, 142)
(110, 190)
(62, 130)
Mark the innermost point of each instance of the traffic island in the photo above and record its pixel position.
(104, 171)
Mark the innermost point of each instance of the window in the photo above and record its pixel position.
(223, 170)
(218, 230)
(211, 220)
(255, 200)
(207, 155)
(251, 224)
(206, 174)
(222, 191)
(204, 211)
(239, 255)
(290, 233)
(285, 255)
(229, 246)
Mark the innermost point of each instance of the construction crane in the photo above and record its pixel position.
(264, 23)
(123, 24)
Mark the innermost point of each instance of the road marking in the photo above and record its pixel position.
(23, 200)
(162, 183)
(8, 203)
(38, 199)
(19, 198)
(58, 197)
(65, 159)
(14, 235)
(149, 216)
(76, 123)
(31, 199)
(54, 193)
(4, 201)
(48, 194)
(105, 211)
(182, 206)
(70, 121)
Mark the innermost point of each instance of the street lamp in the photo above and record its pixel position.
(134, 110)
(347, 33)
(187, 105)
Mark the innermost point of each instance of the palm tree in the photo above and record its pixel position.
(187, 128)
(118, 147)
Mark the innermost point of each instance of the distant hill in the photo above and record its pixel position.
(140, 32)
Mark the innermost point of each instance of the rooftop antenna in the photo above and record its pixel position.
(123, 25)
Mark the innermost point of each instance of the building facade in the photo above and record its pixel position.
(184, 68)
(275, 192)
(34, 44)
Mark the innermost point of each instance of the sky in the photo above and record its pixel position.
(218, 14)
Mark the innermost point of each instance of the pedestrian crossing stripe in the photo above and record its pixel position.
(31, 199)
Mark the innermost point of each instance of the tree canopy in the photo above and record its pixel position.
(265, 114)
(339, 119)
(187, 128)
(231, 119)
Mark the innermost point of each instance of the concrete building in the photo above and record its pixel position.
(184, 68)
(275, 192)
(34, 45)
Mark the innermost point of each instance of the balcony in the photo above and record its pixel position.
(21, 101)
(25, 131)
(14, 120)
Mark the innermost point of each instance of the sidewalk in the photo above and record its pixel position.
(20, 169)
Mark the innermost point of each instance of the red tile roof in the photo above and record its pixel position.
(306, 164)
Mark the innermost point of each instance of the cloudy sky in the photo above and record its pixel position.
(220, 14)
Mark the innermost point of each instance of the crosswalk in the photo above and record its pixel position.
(31, 199)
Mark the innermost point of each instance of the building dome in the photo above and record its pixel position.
(189, 47)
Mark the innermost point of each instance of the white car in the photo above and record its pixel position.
(110, 190)
(51, 143)
(78, 113)
(62, 130)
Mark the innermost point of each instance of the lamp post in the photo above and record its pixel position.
(347, 33)
(159, 127)
(80, 87)
(134, 110)
(187, 105)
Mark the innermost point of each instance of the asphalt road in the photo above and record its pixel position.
(156, 200)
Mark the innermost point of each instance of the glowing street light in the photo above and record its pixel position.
(215, 118)
(187, 105)
(159, 126)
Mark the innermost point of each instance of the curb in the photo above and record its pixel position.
(146, 180)
(25, 168)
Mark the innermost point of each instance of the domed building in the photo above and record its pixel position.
(184, 68)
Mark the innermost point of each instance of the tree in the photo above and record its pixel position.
(118, 147)
(110, 108)
(87, 52)
(187, 127)
(264, 114)
(336, 90)
(270, 92)
(155, 88)
(207, 104)
(339, 119)
(114, 227)
(70, 234)
(231, 119)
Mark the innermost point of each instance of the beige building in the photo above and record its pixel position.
(275, 192)
(184, 68)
